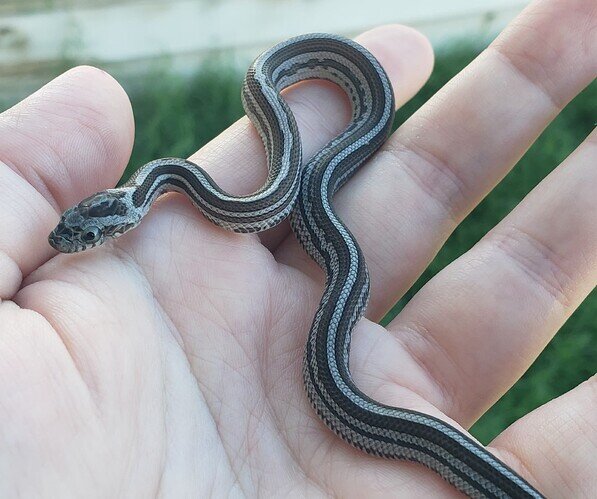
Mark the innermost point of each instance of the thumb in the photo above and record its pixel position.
(67, 140)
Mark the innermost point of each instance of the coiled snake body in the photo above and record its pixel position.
(306, 196)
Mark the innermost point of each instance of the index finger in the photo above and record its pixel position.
(236, 159)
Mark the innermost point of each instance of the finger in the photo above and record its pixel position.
(403, 205)
(557, 443)
(236, 159)
(479, 324)
(67, 140)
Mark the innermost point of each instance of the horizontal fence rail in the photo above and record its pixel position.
(40, 37)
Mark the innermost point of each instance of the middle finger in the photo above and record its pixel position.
(453, 151)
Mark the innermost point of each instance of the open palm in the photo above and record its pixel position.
(168, 362)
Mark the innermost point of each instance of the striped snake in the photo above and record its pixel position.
(305, 195)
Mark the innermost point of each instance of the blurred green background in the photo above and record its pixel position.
(176, 115)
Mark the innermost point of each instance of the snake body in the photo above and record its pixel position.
(305, 195)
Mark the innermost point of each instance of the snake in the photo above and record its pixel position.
(303, 193)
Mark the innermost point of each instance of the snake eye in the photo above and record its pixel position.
(91, 235)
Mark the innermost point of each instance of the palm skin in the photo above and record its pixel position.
(153, 378)
(168, 362)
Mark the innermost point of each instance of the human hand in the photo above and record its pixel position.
(168, 362)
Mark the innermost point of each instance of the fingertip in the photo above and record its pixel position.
(82, 122)
(105, 117)
(406, 55)
(106, 98)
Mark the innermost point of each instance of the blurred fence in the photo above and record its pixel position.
(39, 37)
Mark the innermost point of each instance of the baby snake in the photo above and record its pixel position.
(305, 195)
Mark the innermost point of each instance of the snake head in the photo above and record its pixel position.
(90, 223)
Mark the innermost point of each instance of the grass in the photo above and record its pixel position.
(176, 116)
